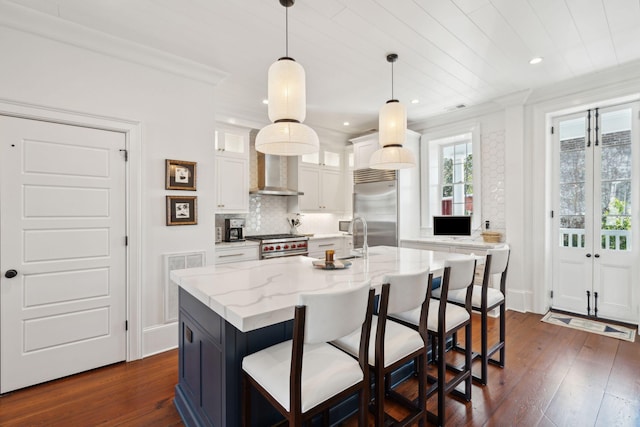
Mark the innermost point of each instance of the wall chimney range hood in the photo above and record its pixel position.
(270, 177)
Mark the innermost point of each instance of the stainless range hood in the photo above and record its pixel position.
(270, 177)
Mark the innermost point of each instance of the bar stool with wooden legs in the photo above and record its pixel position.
(485, 299)
(306, 376)
(443, 321)
(393, 345)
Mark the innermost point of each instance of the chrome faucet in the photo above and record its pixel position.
(365, 247)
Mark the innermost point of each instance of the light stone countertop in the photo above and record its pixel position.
(254, 294)
(328, 235)
(464, 242)
(237, 244)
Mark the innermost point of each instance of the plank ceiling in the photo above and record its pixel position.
(451, 52)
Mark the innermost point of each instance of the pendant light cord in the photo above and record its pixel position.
(286, 26)
(392, 81)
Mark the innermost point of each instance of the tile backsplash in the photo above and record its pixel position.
(268, 215)
(493, 174)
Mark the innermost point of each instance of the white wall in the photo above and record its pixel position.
(523, 119)
(176, 120)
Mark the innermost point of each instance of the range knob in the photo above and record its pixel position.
(278, 248)
(286, 246)
(270, 248)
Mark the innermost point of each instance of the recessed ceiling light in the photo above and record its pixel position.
(346, 123)
(536, 60)
(415, 101)
(265, 101)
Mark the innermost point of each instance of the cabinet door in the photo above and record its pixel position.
(309, 184)
(232, 142)
(362, 152)
(332, 189)
(232, 185)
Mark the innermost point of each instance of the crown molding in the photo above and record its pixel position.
(27, 20)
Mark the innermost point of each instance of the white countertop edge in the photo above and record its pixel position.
(468, 243)
(328, 236)
(221, 245)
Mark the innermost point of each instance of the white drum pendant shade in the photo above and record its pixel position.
(287, 136)
(286, 91)
(392, 158)
(287, 139)
(392, 123)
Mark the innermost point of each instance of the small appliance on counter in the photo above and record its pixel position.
(234, 229)
(344, 226)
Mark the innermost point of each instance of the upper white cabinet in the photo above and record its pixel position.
(320, 178)
(232, 169)
(363, 148)
(327, 156)
(232, 141)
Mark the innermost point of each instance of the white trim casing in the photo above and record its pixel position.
(133, 199)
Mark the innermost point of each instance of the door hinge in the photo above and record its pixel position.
(126, 154)
(552, 130)
(126, 240)
(126, 325)
(551, 214)
(551, 293)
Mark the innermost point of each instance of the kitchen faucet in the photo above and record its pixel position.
(365, 247)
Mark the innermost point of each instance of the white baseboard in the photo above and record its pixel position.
(519, 300)
(159, 338)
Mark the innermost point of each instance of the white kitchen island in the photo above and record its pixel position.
(228, 311)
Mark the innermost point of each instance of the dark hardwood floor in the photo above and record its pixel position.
(555, 376)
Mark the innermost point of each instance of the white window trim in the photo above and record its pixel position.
(425, 140)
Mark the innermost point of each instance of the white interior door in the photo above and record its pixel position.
(62, 211)
(595, 242)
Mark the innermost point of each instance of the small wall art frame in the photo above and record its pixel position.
(180, 175)
(182, 210)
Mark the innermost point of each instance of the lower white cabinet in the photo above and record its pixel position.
(224, 254)
(317, 247)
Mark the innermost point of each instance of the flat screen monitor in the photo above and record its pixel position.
(448, 225)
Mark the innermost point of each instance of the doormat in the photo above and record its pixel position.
(588, 325)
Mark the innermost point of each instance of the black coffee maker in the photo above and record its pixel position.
(234, 229)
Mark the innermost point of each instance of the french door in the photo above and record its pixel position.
(595, 216)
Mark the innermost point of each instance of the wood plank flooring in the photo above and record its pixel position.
(555, 376)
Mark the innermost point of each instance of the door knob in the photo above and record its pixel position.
(10, 274)
(588, 255)
(597, 255)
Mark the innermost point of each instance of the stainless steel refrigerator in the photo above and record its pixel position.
(375, 198)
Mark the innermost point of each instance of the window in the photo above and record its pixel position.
(456, 178)
(449, 184)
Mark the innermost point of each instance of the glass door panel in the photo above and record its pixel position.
(572, 182)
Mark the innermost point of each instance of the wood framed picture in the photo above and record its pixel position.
(180, 175)
(182, 210)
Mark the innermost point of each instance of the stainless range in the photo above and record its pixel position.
(280, 245)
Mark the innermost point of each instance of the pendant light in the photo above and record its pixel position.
(287, 136)
(392, 127)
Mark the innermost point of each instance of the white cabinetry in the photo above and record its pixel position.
(363, 148)
(232, 170)
(320, 178)
(235, 253)
(318, 246)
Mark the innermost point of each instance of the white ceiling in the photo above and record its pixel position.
(451, 52)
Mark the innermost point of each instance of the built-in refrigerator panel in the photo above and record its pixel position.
(377, 203)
